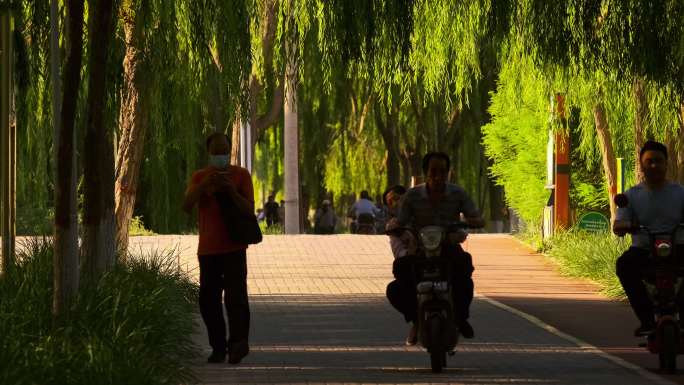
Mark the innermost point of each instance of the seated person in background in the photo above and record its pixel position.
(402, 241)
(401, 291)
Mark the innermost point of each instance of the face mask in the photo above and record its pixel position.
(218, 161)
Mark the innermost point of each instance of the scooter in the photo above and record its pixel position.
(437, 328)
(664, 284)
(364, 224)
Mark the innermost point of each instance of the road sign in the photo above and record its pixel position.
(593, 222)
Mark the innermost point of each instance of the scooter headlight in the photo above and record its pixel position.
(663, 248)
(431, 237)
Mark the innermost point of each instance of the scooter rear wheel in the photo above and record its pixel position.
(668, 352)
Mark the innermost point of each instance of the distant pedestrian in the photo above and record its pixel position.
(281, 212)
(325, 219)
(222, 260)
(271, 211)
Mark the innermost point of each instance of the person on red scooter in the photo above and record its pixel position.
(437, 202)
(658, 204)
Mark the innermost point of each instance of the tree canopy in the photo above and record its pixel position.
(380, 83)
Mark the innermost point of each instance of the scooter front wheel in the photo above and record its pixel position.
(437, 352)
(668, 351)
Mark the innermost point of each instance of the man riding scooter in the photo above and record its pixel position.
(363, 213)
(439, 203)
(657, 204)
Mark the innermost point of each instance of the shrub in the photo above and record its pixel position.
(136, 227)
(275, 229)
(589, 255)
(132, 326)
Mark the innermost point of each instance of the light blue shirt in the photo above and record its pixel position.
(659, 210)
(364, 206)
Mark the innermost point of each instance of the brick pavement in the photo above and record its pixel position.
(319, 316)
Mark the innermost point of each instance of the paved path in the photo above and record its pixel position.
(512, 273)
(319, 316)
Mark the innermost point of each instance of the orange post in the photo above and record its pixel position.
(562, 170)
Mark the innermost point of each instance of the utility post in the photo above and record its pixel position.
(7, 143)
(246, 145)
(291, 144)
(621, 175)
(562, 169)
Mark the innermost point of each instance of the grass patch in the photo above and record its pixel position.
(133, 326)
(274, 229)
(584, 255)
(137, 228)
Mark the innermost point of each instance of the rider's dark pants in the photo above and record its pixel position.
(401, 292)
(632, 267)
(224, 274)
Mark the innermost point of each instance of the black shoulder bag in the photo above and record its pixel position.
(242, 228)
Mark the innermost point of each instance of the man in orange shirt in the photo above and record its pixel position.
(222, 261)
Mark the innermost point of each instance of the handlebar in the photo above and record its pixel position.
(450, 228)
(636, 228)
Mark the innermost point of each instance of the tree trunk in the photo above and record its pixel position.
(99, 239)
(388, 132)
(393, 166)
(66, 260)
(607, 154)
(235, 140)
(639, 125)
(405, 170)
(497, 206)
(55, 60)
(414, 151)
(133, 121)
(291, 162)
(258, 124)
(416, 162)
(679, 157)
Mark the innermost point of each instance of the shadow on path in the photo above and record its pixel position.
(358, 339)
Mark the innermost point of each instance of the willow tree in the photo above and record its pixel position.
(618, 66)
(99, 236)
(133, 118)
(369, 59)
(266, 81)
(66, 261)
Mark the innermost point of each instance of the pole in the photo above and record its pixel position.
(547, 217)
(243, 140)
(248, 146)
(291, 144)
(6, 146)
(562, 180)
(620, 175)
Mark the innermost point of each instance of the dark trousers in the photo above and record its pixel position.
(402, 294)
(324, 229)
(631, 268)
(219, 274)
